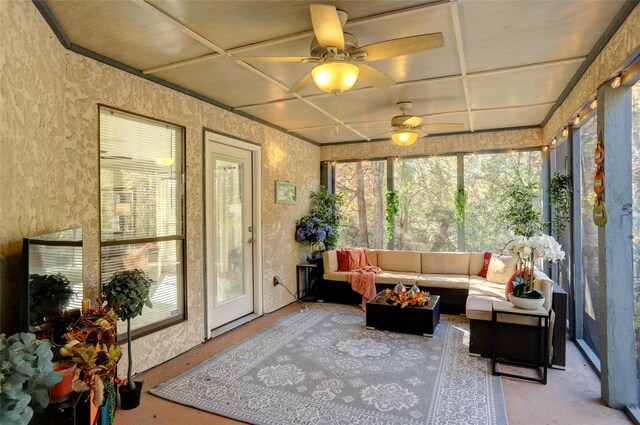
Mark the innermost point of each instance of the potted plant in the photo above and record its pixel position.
(93, 349)
(520, 213)
(26, 374)
(127, 293)
(531, 251)
(319, 230)
(49, 295)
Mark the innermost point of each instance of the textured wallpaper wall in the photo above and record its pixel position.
(622, 44)
(49, 167)
(434, 145)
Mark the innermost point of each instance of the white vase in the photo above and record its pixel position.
(526, 303)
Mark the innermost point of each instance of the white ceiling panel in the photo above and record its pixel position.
(498, 34)
(520, 87)
(507, 118)
(225, 81)
(519, 56)
(290, 115)
(124, 31)
(380, 105)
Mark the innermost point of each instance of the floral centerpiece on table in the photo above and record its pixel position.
(407, 298)
(532, 251)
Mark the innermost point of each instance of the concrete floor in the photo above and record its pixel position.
(571, 397)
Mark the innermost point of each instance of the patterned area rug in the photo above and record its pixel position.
(323, 366)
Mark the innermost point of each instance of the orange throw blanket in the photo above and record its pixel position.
(362, 275)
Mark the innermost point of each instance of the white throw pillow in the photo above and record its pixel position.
(501, 268)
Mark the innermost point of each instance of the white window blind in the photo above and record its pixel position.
(141, 209)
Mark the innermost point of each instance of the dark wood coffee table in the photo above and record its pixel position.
(413, 320)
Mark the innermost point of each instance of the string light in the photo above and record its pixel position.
(593, 104)
(615, 83)
(554, 141)
(565, 132)
(576, 120)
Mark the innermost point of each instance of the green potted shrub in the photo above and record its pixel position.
(49, 295)
(127, 293)
(26, 374)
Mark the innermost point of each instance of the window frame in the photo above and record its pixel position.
(181, 143)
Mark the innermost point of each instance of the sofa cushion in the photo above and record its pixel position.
(406, 278)
(479, 287)
(501, 268)
(330, 261)
(343, 260)
(399, 261)
(339, 276)
(452, 281)
(486, 260)
(476, 262)
(445, 263)
(373, 257)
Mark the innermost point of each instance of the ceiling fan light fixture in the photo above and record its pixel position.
(335, 76)
(404, 137)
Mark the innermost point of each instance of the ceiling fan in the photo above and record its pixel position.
(339, 56)
(407, 128)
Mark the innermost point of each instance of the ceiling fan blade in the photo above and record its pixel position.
(429, 128)
(326, 26)
(302, 59)
(400, 46)
(375, 77)
(413, 121)
(305, 82)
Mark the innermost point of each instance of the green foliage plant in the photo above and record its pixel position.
(26, 374)
(520, 213)
(391, 211)
(560, 190)
(127, 293)
(325, 206)
(49, 294)
(461, 205)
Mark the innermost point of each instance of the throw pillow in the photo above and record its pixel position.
(509, 287)
(343, 260)
(501, 268)
(485, 267)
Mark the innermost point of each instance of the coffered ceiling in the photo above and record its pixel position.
(504, 63)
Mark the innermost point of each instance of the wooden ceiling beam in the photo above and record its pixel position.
(455, 18)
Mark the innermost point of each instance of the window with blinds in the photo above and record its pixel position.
(142, 210)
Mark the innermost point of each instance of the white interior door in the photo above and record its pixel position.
(230, 233)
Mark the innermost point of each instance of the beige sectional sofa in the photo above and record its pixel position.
(453, 276)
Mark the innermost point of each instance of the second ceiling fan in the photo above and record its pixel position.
(339, 57)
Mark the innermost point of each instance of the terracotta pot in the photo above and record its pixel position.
(526, 303)
(62, 389)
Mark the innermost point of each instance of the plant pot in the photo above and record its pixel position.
(62, 389)
(526, 303)
(130, 399)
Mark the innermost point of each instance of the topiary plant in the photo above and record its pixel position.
(520, 214)
(127, 293)
(26, 374)
(49, 294)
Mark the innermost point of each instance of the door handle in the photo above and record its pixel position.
(251, 240)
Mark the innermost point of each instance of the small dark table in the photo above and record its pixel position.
(413, 320)
(543, 316)
(306, 292)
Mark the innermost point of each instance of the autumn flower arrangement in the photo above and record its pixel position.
(407, 298)
(92, 347)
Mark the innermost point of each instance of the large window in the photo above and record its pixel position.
(426, 189)
(363, 185)
(142, 210)
(589, 234)
(486, 176)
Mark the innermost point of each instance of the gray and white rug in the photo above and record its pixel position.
(323, 366)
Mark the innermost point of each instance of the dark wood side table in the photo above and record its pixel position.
(307, 291)
(542, 316)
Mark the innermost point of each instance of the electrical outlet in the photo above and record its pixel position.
(277, 281)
